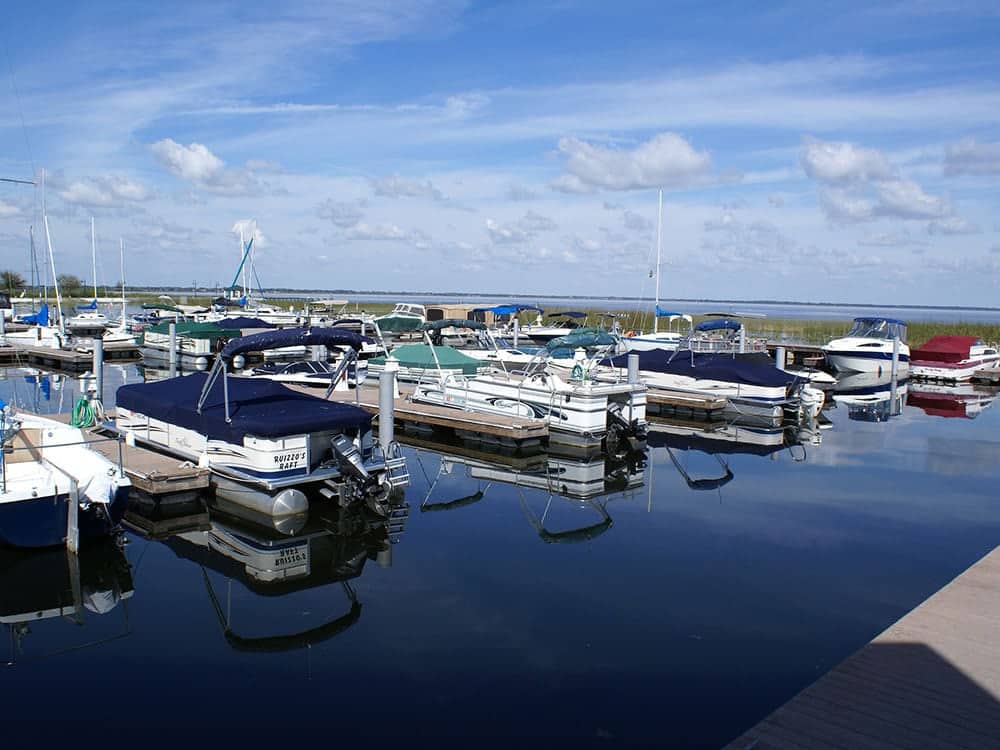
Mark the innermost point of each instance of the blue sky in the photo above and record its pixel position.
(807, 151)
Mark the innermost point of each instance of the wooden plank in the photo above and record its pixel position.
(930, 680)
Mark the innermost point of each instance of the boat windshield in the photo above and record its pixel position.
(877, 328)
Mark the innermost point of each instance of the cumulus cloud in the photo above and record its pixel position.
(7, 210)
(666, 160)
(524, 229)
(377, 232)
(969, 156)
(342, 214)
(842, 206)
(103, 192)
(636, 222)
(838, 162)
(953, 225)
(396, 186)
(907, 200)
(194, 163)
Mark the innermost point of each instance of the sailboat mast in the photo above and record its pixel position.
(93, 256)
(659, 224)
(55, 280)
(121, 242)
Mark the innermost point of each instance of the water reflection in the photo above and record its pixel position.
(870, 397)
(48, 594)
(962, 400)
(248, 561)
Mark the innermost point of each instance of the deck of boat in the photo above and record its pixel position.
(931, 680)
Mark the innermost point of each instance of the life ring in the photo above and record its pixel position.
(629, 334)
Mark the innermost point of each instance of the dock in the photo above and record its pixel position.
(989, 375)
(931, 680)
(489, 428)
(77, 359)
(683, 404)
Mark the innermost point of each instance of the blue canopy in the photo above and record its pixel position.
(572, 314)
(725, 324)
(282, 337)
(92, 305)
(748, 369)
(661, 313)
(243, 321)
(507, 309)
(224, 302)
(257, 407)
(40, 318)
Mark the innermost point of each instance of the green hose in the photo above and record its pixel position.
(83, 414)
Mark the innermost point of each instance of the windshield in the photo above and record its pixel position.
(877, 329)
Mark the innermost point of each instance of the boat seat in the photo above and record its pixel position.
(23, 447)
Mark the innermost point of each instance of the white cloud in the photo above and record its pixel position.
(194, 163)
(838, 162)
(342, 214)
(505, 235)
(842, 206)
(264, 166)
(379, 232)
(103, 192)
(969, 156)
(887, 239)
(396, 186)
(636, 222)
(535, 223)
(907, 200)
(666, 160)
(953, 225)
(7, 210)
(519, 193)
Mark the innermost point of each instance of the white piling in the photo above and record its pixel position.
(894, 375)
(173, 350)
(3, 329)
(743, 339)
(633, 368)
(515, 325)
(387, 403)
(98, 368)
(72, 518)
(780, 358)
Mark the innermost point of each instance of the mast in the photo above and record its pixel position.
(659, 223)
(93, 256)
(121, 242)
(55, 280)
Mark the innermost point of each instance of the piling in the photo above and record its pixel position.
(3, 329)
(894, 375)
(633, 369)
(517, 330)
(98, 368)
(72, 517)
(173, 350)
(780, 358)
(387, 403)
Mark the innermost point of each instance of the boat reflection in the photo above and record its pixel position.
(961, 400)
(52, 584)
(870, 396)
(586, 480)
(255, 560)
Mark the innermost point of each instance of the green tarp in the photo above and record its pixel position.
(419, 356)
(398, 323)
(195, 330)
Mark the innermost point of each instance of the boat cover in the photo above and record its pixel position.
(699, 442)
(41, 317)
(507, 309)
(748, 369)
(437, 325)
(570, 314)
(726, 324)
(257, 407)
(196, 330)
(242, 322)
(282, 337)
(582, 337)
(944, 349)
(399, 323)
(419, 357)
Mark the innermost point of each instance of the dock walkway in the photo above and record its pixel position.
(931, 680)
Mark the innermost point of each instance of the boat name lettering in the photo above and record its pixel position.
(289, 460)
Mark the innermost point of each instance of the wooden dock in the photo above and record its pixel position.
(987, 375)
(77, 359)
(931, 680)
(683, 404)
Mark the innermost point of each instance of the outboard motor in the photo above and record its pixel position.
(359, 484)
(620, 428)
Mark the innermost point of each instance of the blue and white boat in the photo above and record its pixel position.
(263, 441)
(46, 467)
(868, 347)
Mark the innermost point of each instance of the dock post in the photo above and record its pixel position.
(173, 350)
(633, 369)
(72, 518)
(98, 367)
(387, 403)
(516, 329)
(743, 339)
(3, 329)
(780, 358)
(894, 375)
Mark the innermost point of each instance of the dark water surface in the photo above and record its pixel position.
(672, 605)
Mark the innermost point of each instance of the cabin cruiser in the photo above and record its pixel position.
(403, 318)
(262, 440)
(87, 321)
(952, 358)
(556, 325)
(579, 409)
(868, 347)
(44, 466)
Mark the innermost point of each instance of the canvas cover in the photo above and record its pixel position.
(944, 349)
(282, 337)
(748, 369)
(419, 356)
(257, 407)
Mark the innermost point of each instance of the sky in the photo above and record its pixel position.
(819, 152)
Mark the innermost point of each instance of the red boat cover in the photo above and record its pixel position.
(944, 349)
(937, 405)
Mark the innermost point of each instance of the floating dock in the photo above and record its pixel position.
(987, 375)
(931, 680)
(66, 360)
(682, 404)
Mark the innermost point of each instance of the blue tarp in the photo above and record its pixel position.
(92, 305)
(41, 317)
(257, 407)
(283, 337)
(245, 322)
(571, 314)
(507, 309)
(223, 302)
(725, 324)
(748, 369)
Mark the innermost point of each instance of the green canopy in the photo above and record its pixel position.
(194, 330)
(419, 356)
(582, 337)
(437, 325)
(398, 323)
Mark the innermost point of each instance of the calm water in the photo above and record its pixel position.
(671, 602)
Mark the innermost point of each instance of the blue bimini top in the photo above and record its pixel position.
(257, 407)
(747, 369)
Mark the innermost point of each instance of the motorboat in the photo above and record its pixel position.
(578, 408)
(871, 396)
(52, 480)
(951, 400)
(263, 441)
(952, 358)
(751, 383)
(87, 321)
(668, 338)
(868, 347)
(405, 317)
(555, 326)
(315, 373)
(195, 343)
